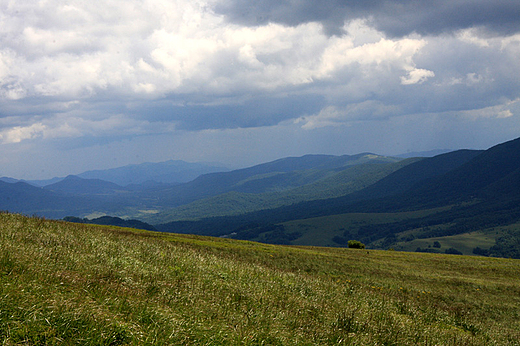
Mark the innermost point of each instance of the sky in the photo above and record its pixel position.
(102, 84)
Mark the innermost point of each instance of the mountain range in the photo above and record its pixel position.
(77, 196)
(148, 173)
(169, 172)
(444, 198)
(386, 202)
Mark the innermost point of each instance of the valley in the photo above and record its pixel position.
(466, 200)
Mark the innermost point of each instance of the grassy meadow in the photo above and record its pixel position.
(77, 284)
(321, 230)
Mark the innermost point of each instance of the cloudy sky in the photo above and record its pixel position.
(101, 84)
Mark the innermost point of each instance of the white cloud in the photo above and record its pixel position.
(416, 76)
(177, 47)
(115, 69)
(20, 133)
(11, 88)
(329, 116)
(70, 125)
(497, 112)
(471, 35)
(348, 115)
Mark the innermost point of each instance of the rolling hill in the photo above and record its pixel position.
(65, 283)
(376, 197)
(20, 196)
(467, 191)
(313, 175)
(334, 183)
(73, 185)
(169, 172)
(276, 176)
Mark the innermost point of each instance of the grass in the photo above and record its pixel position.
(320, 230)
(67, 284)
(465, 242)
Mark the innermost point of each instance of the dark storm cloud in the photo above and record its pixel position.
(395, 18)
(256, 112)
(251, 81)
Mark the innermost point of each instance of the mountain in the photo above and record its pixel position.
(429, 153)
(420, 172)
(23, 198)
(310, 177)
(275, 176)
(37, 183)
(72, 196)
(75, 185)
(492, 174)
(443, 196)
(9, 180)
(370, 198)
(333, 184)
(172, 171)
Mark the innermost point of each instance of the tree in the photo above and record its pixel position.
(354, 244)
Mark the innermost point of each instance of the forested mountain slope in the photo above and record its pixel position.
(334, 183)
(378, 197)
(454, 193)
(80, 197)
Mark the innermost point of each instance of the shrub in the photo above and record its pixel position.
(354, 244)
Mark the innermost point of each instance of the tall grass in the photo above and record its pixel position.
(80, 284)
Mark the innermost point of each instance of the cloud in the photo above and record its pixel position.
(185, 63)
(87, 74)
(395, 18)
(19, 133)
(416, 75)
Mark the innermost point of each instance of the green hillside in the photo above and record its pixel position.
(336, 230)
(452, 197)
(81, 197)
(63, 283)
(276, 176)
(320, 184)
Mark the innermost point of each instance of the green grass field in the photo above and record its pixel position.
(320, 230)
(465, 242)
(76, 284)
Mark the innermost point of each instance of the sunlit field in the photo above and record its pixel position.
(77, 284)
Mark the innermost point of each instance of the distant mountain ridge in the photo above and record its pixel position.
(148, 173)
(386, 201)
(275, 176)
(492, 174)
(178, 171)
(379, 196)
(75, 185)
(325, 184)
(172, 171)
(464, 192)
(96, 196)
